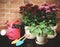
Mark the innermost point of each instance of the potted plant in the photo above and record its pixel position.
(40, 20)
(29, 18)
(47, 27)
(41, 37)
(42, 31)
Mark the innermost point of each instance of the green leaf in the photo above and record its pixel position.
(51, 33)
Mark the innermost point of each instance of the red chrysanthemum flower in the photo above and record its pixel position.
(43, 17)
(33, 12)
(48, 11)
(22, 7)
(29, 5)
(54, 9)
(47, 7)
(29, 9)
(36, 6)
(45, 4)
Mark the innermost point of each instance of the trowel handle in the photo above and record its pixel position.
(25, 36)
(22, 37)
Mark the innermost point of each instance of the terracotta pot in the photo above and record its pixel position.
(31, 36)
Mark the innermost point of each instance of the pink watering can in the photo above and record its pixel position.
(13, 33)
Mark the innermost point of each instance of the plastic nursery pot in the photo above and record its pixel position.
(42, 39)
(31, 36)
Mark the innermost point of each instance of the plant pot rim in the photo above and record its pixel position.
(52, 36)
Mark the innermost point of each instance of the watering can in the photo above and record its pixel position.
(13, 33)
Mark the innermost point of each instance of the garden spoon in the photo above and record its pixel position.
(15, 41)
(20, 42)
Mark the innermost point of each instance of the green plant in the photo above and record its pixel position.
(29, 14)
(40, 19)
(35, 14)
(31, 29)
(43, 29)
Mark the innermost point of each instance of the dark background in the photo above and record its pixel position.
(5, 42)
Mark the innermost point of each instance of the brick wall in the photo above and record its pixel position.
(58, 15)
(9, 9)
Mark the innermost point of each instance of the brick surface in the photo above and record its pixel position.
(2, 15)
(16, 1)
(11, 5)
(4, 1)
(58, 28)
(37, 2)
(58, 1)
(51, 1)
(3, 10)
(12, 16)
(58, 15)
(15, 10)
(2, 5)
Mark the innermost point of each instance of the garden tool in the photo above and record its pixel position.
(21, 41)
(15, 41)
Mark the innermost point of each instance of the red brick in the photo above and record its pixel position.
(4, 10)
(51, 1)
(58, 28)
(58, 1)
(2, 5)
(39, 2)
(15, 10)
(3, 27)
(4, 1)
(2, 20)
(2, 15)
(26, 1)
(16, 1)
(58, 14)
(12, 5)
(12, 16)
